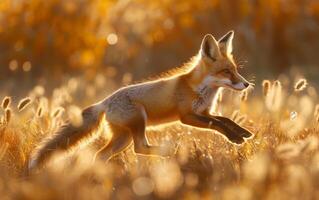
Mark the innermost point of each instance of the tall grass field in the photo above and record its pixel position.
(281, 161)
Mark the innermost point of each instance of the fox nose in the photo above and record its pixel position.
(246, 84)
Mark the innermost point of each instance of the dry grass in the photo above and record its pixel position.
(280, 162)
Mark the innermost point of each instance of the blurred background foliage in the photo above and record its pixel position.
(62, 54)
(48, 40)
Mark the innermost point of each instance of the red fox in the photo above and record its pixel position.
(185, 96)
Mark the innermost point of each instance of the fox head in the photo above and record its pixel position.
(216, 65)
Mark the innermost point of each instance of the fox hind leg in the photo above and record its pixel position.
(141, 143)
(119, 142)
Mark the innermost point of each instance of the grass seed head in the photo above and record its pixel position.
(266, 87)
(277, 84)
(8, 115)
(6, 102)
(274, 96)
(234, 115)
(244, 95)
(242, 119)
(24, 103)
(301, 85)
(40, 111)
(57, 112)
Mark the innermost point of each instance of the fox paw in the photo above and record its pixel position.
(245, 133)
(236, 139)
(235, 129)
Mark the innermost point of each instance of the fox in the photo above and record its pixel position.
(184, 96)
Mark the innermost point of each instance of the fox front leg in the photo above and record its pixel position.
(226, 128)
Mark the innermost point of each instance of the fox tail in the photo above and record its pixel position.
(68, 136)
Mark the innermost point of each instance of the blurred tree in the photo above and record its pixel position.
(53, 34)
(144, 37)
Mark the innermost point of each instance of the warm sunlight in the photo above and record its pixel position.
(161, 99)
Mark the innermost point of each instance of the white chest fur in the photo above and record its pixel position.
(207, 99)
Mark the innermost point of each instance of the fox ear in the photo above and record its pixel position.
(209, 47)
(226, 43)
